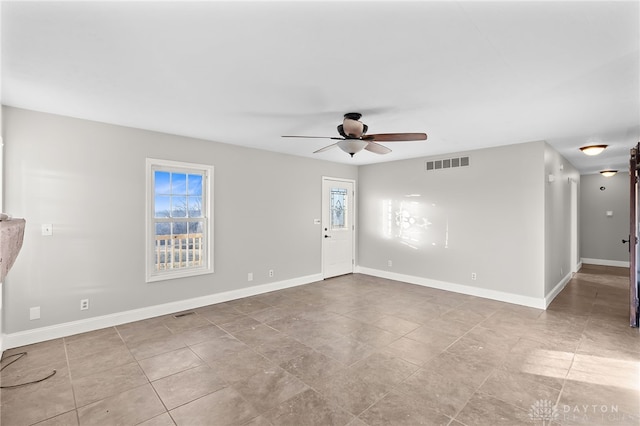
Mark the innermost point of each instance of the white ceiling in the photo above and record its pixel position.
(469, 74)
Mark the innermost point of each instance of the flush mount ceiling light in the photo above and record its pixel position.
(593, 149)
(608, 173)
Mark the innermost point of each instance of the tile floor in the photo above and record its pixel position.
(354, 350)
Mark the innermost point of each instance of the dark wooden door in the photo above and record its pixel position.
(634, 162)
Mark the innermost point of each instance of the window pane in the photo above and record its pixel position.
(338, 208)
(162, 182)
(195, 206)
(162, 206)
(178, 206)
(178, 183)
(179, 228)
(195, 185)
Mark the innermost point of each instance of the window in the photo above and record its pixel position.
(179, 205)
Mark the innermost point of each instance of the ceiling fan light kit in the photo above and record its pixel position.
(352, 146)
(593, 149)
(354, 138)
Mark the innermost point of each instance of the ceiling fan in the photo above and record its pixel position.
(354, 137)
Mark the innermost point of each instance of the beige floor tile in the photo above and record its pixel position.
(517, 389)
(308, 409)
(438, 391)
(347, 350)
(237, 366)
(413, 351)
(156, 346)
(199, 335)
(169, 363)
(106, 359)
(383, 369)
(269, 388)
(373, 336)
(186, 386)
(163, 419)
(131, 407)
(97, 386)
(576, 393)
(312, 367)
(85, 344)
(135, 332)
(51, 352)
(398, 409)
(433, 336)
(218, 347)
(486, 410)
(396, 325)
(70, 418)
(349, 391)
(183, 321)
(221, 408)
(30, 404)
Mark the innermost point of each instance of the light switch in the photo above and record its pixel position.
(47, 229)
(609, 213)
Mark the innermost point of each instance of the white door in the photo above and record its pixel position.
(338, 227)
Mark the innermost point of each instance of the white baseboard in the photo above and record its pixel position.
(21, 338)
(556, 290)
(604, 262)
(533, 302)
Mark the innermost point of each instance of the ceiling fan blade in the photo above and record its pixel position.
(314, 137)
(326, 148)
(377, 148)
(395, 137)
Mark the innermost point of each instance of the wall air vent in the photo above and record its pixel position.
(447, 163)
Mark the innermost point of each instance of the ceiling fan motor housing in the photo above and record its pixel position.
(352, 127)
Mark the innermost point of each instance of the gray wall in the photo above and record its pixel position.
(601, 236)
(558, 217)
(88, 180)
(499, 218)
(488, 218)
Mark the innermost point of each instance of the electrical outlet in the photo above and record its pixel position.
(270, 273)
(250, 276)
(84, 304)
(474, 276)
(47, 229)
(389, 263)
(34, 313)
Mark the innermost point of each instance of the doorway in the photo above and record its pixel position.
(338, 226)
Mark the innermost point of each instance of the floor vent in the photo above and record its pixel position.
(447, 163)
(184, 314)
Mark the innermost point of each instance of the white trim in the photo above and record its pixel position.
(21, 338)
(151, 275)
(604, 262)
(556, 290)
(533, 302)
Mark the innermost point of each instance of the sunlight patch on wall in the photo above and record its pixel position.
(414, 223)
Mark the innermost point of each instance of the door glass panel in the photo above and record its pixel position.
(338, 208)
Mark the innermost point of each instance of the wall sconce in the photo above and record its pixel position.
(593, 149)
(608, 173)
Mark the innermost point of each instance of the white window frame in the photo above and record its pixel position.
(153, 164)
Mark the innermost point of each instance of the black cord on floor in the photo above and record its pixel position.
(18, 356)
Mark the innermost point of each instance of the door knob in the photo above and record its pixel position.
(624, 241)
(327, 236)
